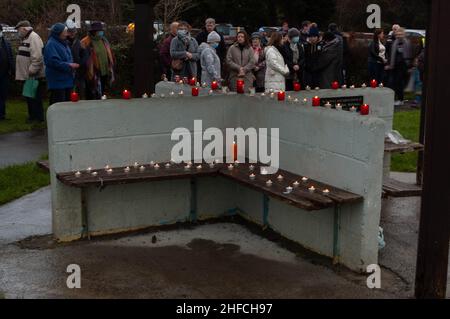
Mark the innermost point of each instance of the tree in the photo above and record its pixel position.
(171, 10)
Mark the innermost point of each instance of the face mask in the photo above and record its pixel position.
(215, 45)
(182, 33)
(296, 39)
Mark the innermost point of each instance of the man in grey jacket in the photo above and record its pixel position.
(184, 53)
(30, 64)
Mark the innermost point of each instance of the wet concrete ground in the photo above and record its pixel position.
(223, 260)
(22, 147)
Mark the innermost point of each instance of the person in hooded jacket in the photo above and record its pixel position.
(260, 62)
(184, 52)
(313, 48)
(276, 68)
(209, 59)
(294, 56)
(59, 64)
(329, 63)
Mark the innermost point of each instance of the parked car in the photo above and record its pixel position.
(229, 32)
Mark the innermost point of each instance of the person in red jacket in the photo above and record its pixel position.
(164, 52)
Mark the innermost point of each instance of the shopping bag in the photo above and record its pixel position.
(30, 88)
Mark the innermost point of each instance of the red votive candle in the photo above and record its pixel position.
(214, 85)
(192, 81)
(316, 101)
(74, 97)
(335, 85)
(281, 96)
(235, 151)
(364, 110)
(195, 91)
(373, 84)
(297, 87)
(126, 95)
(240, 86)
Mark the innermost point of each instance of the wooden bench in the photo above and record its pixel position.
(300, 197)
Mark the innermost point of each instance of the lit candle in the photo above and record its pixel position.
(162, 95)
(127, 169)
(181, 82)
(94, 174)
(107, 167)
(199, 167)
(364, 85)
(264, 171)
(326, 191)
(308, 88)
(312, 189)
(373, 84)
(280, 177)
(110, 171)
(74, 97)
(365, 110)
(381, 85)
(153, 95)
(335, 85)
(142, 168)
(181, 93)
(236, 163)
(240, 86)
(296, 100)
(230, 167)
(145, 96)
(328, 105)
(224, 89)
(104, 97)
(297, 86)
(305, 179)
(77, 174)
(344, 87)
(272, 95)
(339, 107)
(281, 96)
(352, 87)
(289, 189)
(156, 166)
(353, 109)
(167, 165)
(269, 183)
(263, 94)
(89, 169)
(305, 101)
(210, 92)
(214, 85)
(211, 165)
(136, 165)
(192, 81)
(152, 163)
(172, 93)
(251, 168)
(235, 152)
(252, 176)
(187, 167)
(204, 85)
(316, 101)
(126, 95)
(296, 184)
(317, 88)
(195, 91)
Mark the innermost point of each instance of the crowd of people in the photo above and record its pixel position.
(65, 64)
(276, 63)
(305, 56)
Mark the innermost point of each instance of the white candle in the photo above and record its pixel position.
(308, 88)
(251, 168)
(181, 93)
(263, 94)
(364, 85)
(104, 97)
(145, 96)
(142, 168)
(305, 100)
(236, 163)
(127, 169)
(312, 189)
(326, 191)
(156, 166)
(109, 171)
(94, 174)
(210, 92)
(328, 105)
(353, 109)
(352, 87)
(89, 169)
(107, 167)
(187, 167)
(136, 165)
(172, 93)
(305, 179)
(77, 174)
(339, 107)
(269, 183)
(296, 100)
(230, 167)
(168, 165)
(264, 171)
(381, 85)
(252, 176)
(296, 184)
(163, 95)
(152, 163)
(317, 88)
(153, 95)
(344, 87)
(280, 177)
(199, 167)
(289, 189)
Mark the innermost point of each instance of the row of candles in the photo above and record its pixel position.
(189, 166)
(240, 88)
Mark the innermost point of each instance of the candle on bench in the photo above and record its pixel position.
(142, 168)
(312, 189)
(94, 174)
(269, 183)
(305, 179)
(89, 169)
(252, 176)
(316, 101)
(77, 174)
(230, 167)
(109, 171)
(326, 191)
(127, 169)
(280, 177)
(296, 184)
(335, 85)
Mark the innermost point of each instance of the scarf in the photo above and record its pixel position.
(102, 55)
(93, 64)
(295, 52)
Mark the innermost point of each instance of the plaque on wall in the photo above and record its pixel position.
(346, 101)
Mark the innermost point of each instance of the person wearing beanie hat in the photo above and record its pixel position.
(294, 55)
(264, 39)
(80, 56)
(30, 65)
(59, 65)
(329, 62)
(6, 71)
(209, 59)
(260, 62)
(313, 48)
(304, 31)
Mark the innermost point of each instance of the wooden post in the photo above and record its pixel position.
(434, 232)
(144, 81)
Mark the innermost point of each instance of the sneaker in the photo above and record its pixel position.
(398, 103)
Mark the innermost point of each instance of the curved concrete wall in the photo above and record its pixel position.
(340, 148)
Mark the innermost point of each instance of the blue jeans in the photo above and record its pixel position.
(4, 84)
(376, 71)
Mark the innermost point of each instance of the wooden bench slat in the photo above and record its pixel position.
(395, 188)
(390, 147)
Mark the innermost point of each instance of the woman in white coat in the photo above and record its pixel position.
(276, 68)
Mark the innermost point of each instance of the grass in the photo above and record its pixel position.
(17, 113)
(408, 124)
(19, 180)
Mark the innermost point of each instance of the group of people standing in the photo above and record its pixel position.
(66, 63)
(391, 58)
(289, 56)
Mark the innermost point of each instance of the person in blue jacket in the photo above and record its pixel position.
(59, 66)
(7, 67)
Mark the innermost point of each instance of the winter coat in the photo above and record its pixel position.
(276, 70)
(7, 66)
(312, 54)
(260, 62)
(374, 53)
(221, 51)
(401, 51)
(57, 59)
(164, 54)
(288, 55)
(210, 64)
(237, 58)
(178, 49)
(80, 56)
(30, 59)
(329, 64)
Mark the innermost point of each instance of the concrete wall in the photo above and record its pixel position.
(340, 148)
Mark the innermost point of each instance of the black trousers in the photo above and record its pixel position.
(4, 84)
(400, 76)
(35, 106)
(60, 95)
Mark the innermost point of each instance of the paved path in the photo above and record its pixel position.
(22, 147)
